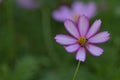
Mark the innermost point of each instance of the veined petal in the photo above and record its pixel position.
(100, 37)
(94, 50)
(81, 54)
(62, 14)
(83, 25)
(65, 39)
(72, 48)
(71, 28)
(94, 28)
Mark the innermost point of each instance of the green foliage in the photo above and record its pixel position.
(25, 68)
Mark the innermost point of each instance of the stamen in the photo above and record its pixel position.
(82, 41)
(75, 17)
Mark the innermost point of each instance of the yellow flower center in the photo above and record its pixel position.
(75, 17)
(82, 41)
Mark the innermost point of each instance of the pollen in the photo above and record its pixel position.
(82, 41)
(75, 17)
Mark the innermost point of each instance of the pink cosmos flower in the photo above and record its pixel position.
(28, 4)
(78, 9)
(82, 38)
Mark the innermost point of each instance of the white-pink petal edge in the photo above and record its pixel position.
(94, 28)
(71, 28)
(81, 54)
(94, 50)
(65, 39)
(72, 48)
(83, 25)
(100, 37)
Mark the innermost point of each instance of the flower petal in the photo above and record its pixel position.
(72, 48)
(94, 50)
(62, 14)
(65, 39)
(100, 37)
(94, 28)
(90, 9)
(71, 28)
(83, 25)
(81, 54)
(28, 4)
(78, 8)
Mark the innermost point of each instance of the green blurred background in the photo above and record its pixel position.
(28, 50)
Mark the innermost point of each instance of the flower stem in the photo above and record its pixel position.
(76, 71)
(46, 25)
(10, 31)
